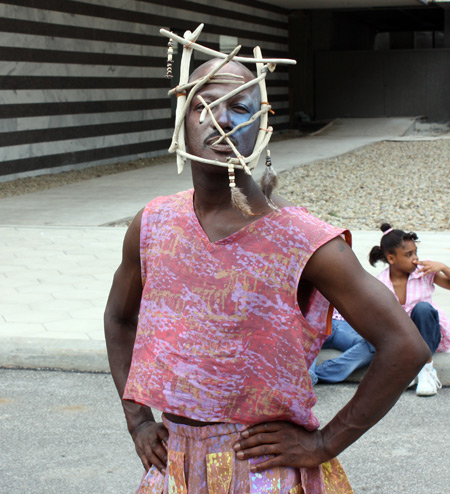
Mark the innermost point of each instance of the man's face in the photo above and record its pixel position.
(201, 137)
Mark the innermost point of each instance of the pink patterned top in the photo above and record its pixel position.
(221, 337)
(420, 288)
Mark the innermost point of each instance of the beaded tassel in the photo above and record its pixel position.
(169, 59)
(269, 179)
(231, 176)
(238, 199)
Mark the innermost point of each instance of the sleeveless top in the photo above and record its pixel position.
(220, 336)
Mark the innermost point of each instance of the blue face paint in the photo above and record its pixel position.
(242, 108)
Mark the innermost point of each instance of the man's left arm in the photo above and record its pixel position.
(374, 312)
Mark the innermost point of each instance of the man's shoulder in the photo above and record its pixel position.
(164, 202)
(165, 210)
(299, 215)
(281, 202)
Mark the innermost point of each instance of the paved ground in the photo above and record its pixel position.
(64, 432)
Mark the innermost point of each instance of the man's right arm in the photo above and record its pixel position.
(120, 319)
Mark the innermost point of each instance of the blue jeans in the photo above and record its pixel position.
(426, 318)
(357, 352)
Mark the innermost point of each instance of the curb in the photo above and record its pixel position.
(58, 354)
(91, 356)
(441, 362)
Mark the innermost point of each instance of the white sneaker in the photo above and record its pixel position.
(427, 381)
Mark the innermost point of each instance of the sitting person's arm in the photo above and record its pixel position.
(400, 353)
(442, 276)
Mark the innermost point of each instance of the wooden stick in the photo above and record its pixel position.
(222, 132)
(234, 161)
(252, 160)
(231, 94)
(244, 124)
(218, 54)
(262, 134)
(192, 157)
(214, 80)
(179, 127)
(184, 77)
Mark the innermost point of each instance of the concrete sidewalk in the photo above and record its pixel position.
(57, 260)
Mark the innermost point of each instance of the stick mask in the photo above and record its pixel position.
(186, 90)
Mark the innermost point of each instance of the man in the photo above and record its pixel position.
(230, 320)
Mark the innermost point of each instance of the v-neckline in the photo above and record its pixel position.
(229, 238)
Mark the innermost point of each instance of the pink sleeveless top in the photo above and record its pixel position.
(221, 337)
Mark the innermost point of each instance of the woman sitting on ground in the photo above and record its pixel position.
(412, 282)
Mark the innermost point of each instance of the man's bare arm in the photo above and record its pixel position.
(121, 316)
(122, 308)
(400, 353)
(374, 312)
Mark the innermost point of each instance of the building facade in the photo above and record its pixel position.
(82, 82)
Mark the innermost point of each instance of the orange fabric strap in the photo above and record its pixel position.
(348, 239)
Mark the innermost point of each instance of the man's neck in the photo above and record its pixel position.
(212, 202)
(213, 193)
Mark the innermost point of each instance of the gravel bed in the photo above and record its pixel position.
(52, 180)
(406, 184)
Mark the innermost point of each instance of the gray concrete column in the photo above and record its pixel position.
(447, 27)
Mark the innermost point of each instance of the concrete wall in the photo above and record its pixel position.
(390, 83)
(345, 69)
(82, 82)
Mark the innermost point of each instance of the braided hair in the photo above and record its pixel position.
(390, 241)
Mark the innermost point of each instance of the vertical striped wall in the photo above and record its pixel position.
(82, 82)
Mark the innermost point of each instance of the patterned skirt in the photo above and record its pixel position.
(201, 460)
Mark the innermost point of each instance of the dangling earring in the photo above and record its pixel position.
(238, 199)
(169, 59)
(269, 179)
